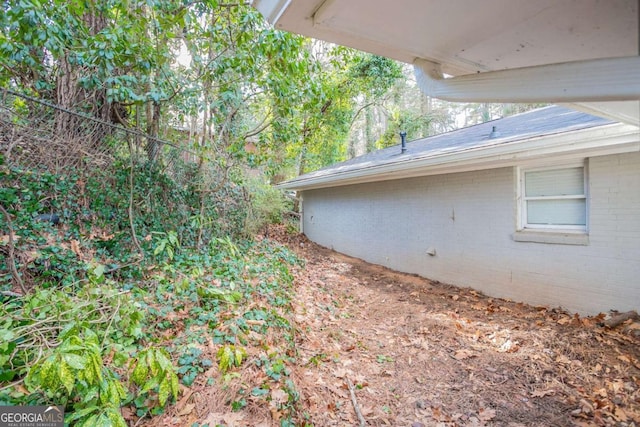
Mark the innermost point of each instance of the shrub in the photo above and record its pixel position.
(268, 205)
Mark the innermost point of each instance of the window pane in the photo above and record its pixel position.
(557, 182)
(557, 212)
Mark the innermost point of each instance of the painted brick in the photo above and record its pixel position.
(469, 218)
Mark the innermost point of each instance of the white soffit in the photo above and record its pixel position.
(469, 37)
(622, 111)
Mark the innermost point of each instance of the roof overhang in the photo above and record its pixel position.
(556, 51)
(597, 141)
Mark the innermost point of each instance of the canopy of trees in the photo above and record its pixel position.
(243, 89)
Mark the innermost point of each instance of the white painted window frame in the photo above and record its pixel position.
(522, 223)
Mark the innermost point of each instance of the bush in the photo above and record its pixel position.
(268, 205)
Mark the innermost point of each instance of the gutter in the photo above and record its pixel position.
(608, 139)
(606, 79)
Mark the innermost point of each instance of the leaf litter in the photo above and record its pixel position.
(394, 349)
(425, 353)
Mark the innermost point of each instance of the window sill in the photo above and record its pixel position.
(551, 237)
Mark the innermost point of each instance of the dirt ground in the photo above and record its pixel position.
(405, 351)
(375, 347)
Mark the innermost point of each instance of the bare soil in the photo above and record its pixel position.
(376, 347)
(423, 353)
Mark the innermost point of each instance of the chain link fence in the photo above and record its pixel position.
(177, 189)
(36, 134)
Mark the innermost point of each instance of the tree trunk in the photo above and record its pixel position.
(153, 129)
(370, 140)
(71, 96)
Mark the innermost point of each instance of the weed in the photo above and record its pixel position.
(230, 356)
(103, 328)
(381, 358)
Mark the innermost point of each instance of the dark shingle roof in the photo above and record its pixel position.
(536, 123)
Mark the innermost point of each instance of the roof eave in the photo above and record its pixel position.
(600, 140)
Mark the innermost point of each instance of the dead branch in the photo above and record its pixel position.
(11, 294)
(356, 407)
(12, 259)
(621, 318)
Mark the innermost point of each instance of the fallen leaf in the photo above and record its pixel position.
(4, 240)
(279, 396)
(543, 393)
(509, 347)
(75, 247)
(214, 418)
(616, 386)
(620, 415)
(486, 414)
(463, 354)
(188, 408)
(340, 373)
(624, 358)
(127, 413)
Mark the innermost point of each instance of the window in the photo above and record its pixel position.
(553, 199)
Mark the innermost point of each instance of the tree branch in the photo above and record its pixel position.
(356, 407)
(12, 260)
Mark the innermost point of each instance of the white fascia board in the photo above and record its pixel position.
(603, 140)
(272, 10)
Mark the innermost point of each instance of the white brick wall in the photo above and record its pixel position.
(469, 218)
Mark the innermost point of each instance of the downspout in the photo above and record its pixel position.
(607, 79)
(301, 211)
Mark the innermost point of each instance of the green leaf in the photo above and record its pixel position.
(98, 271)
(103, 421)
(257, 391)
(240, 353)
(163, 391)
(160, 248)
(226, 358)
(116, 418)
(139, 374)
(66, 377)
(95, 369)
(162, 359)
(90, 337)
(6, 335)
(151, 362)
(48, 374)
(75, 361)
(91, 421)
(174, 385)
(115, 392)
(150, 385)
(78, 414)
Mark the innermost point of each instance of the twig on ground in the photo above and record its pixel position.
(363, 423)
